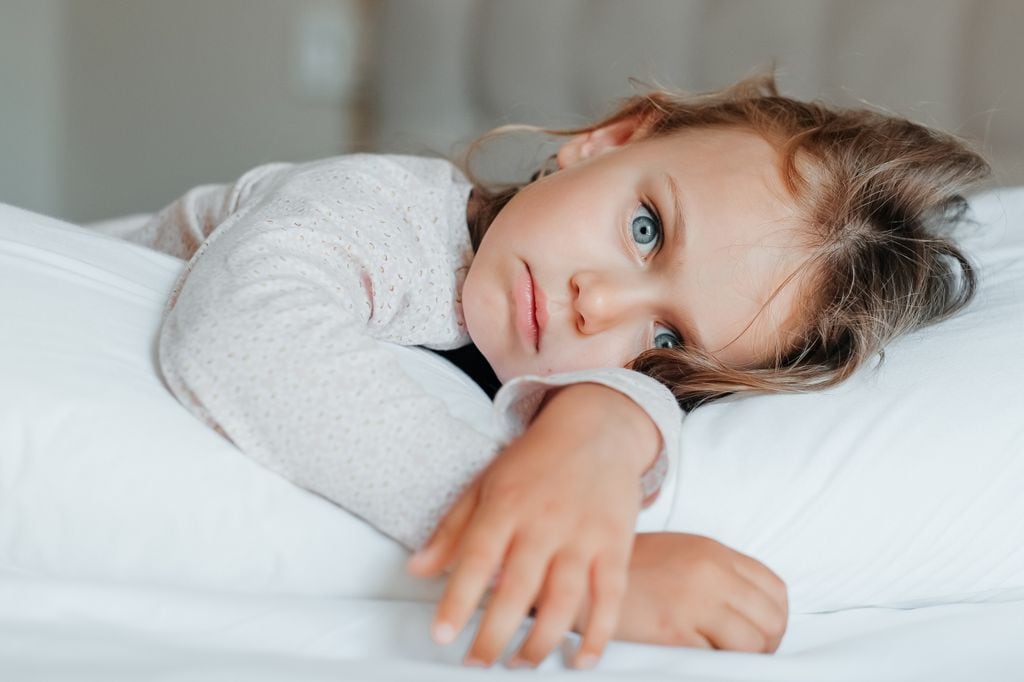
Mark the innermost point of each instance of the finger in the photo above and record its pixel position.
(759, 574)
(608, 588)
(729, 629)
(560, 601)
(772, 584)
(690, 638)
(478, 558)
(761, 609)
(435, 556)
(521, 580)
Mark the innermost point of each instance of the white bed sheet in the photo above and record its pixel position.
(63, 630)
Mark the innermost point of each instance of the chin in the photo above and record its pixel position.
(505, 371)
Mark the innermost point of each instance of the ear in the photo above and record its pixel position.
(599, 141)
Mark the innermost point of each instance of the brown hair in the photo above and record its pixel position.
(876, 193)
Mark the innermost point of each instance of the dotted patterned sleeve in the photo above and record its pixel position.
(273, 336)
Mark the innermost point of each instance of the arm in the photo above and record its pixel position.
(273, 339)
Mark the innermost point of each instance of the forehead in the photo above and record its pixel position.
(741, 241)
(730, 149)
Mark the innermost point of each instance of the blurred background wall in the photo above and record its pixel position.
(109, 107)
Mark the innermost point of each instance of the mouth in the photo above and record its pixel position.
(540, 310)
(526, 294)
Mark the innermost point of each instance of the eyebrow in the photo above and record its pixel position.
(678, 244)
(679, 224)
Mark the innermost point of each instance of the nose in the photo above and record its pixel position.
(605, 300)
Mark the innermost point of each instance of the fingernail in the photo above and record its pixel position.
(443, 633)
(516, 662)
(586, 661)
(475, 663)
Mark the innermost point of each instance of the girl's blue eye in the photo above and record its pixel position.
(667, 338)
(646, 227)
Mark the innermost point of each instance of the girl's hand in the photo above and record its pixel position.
(688, 590)
(555, 512)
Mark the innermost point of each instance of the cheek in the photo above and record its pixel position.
(587, 354)
(474, 300)
(531, 219)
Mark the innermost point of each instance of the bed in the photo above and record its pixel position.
(136, 543)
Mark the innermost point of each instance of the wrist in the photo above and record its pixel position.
(628, 427)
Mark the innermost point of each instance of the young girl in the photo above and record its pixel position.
(680, 250)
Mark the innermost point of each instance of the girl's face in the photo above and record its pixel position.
(639, 243)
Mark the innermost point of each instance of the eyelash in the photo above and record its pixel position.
(653, 212)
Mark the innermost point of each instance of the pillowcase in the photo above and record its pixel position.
(899, 487)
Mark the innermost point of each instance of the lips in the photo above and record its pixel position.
(526, 294)
(540, 311)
